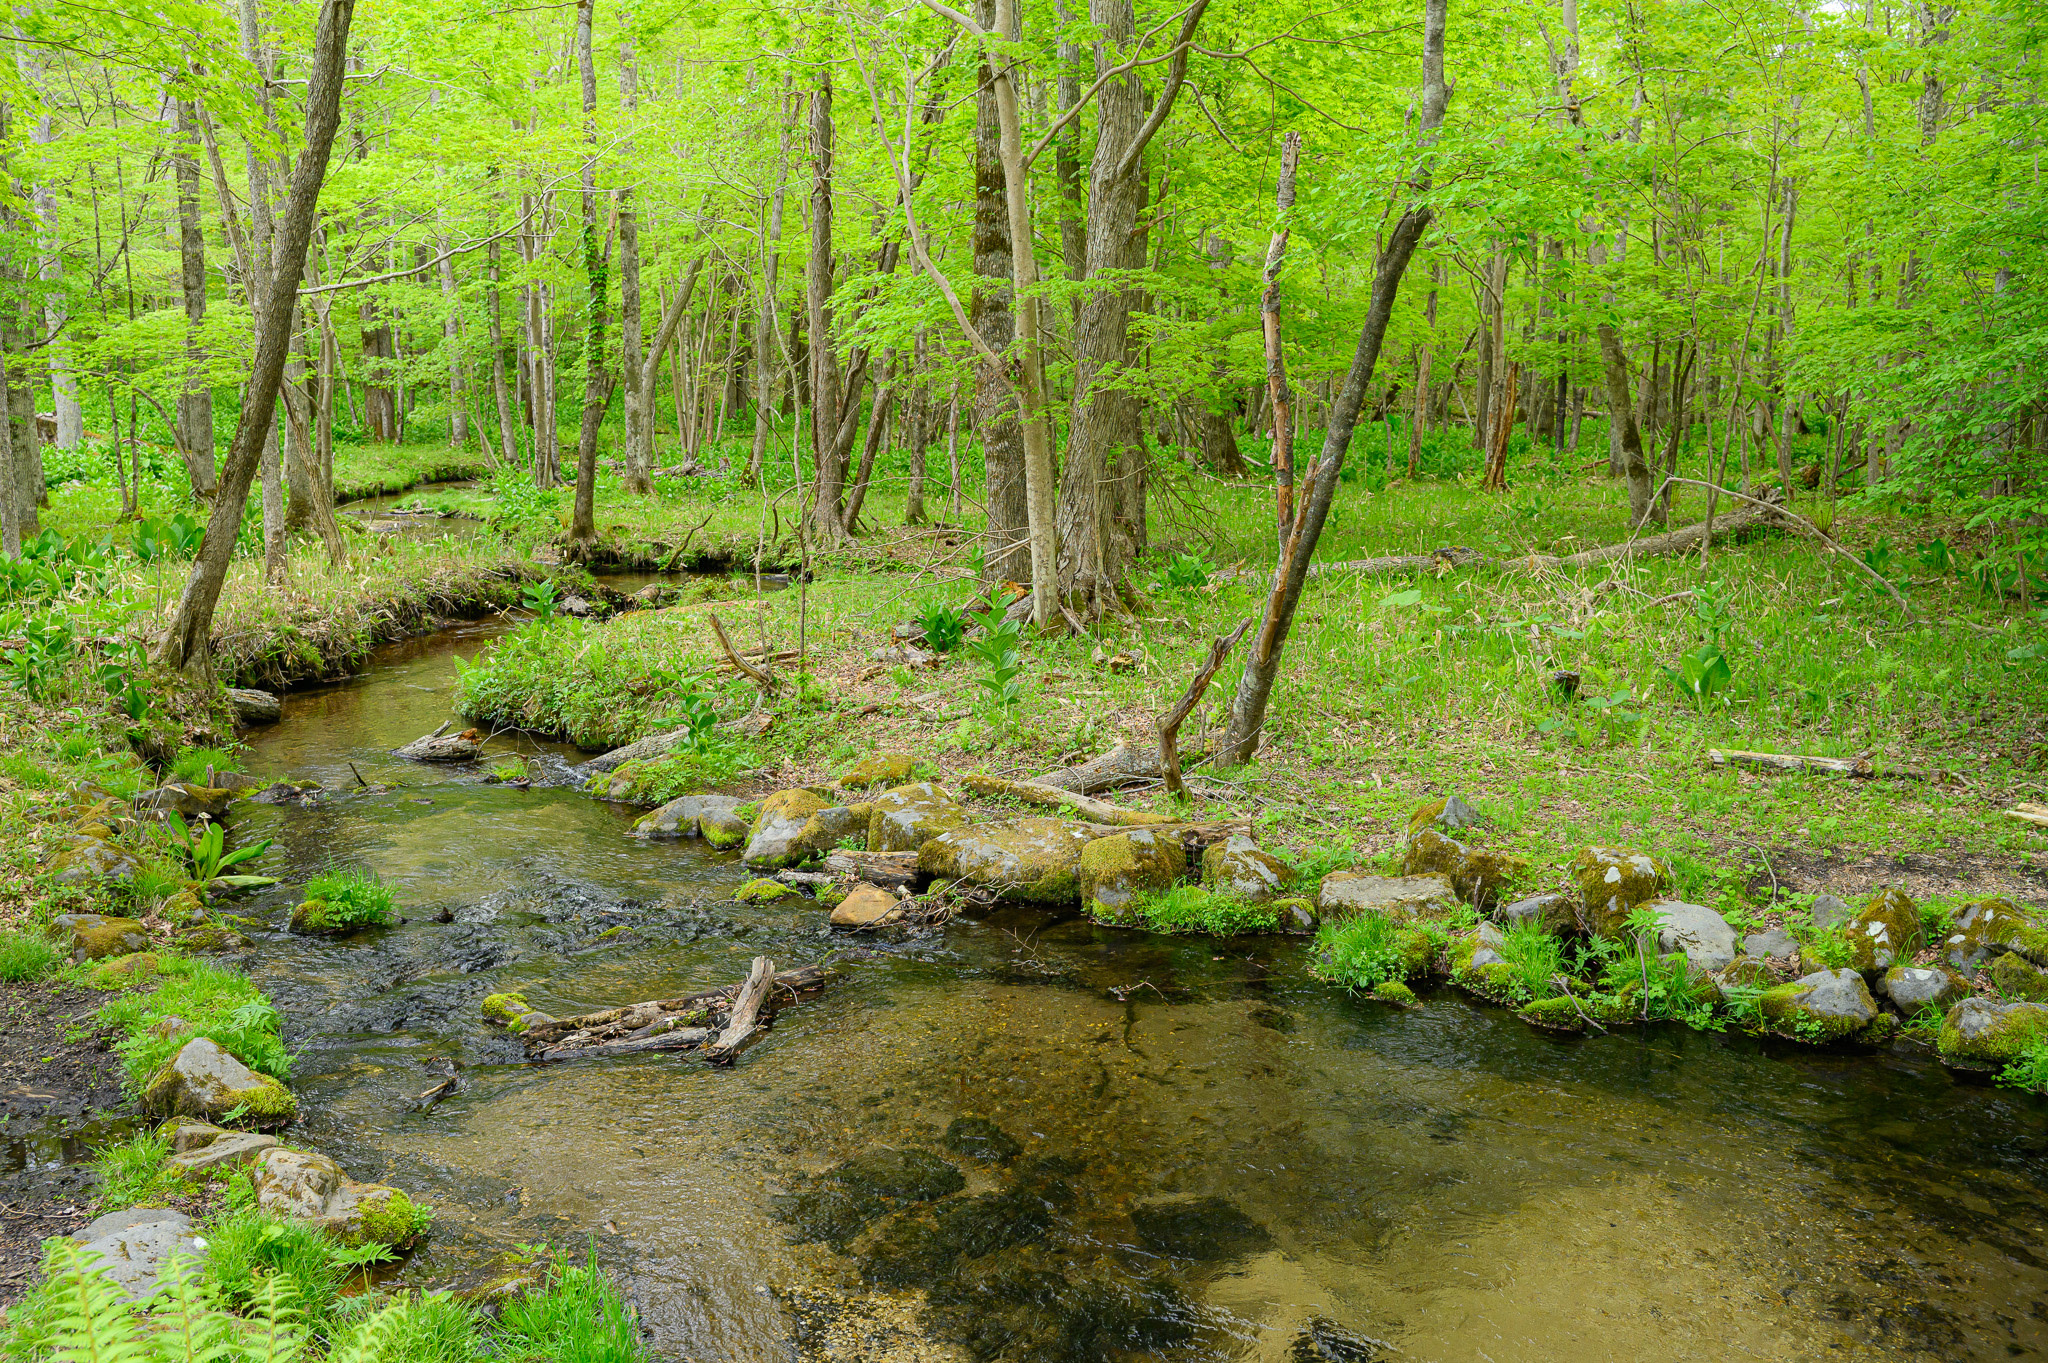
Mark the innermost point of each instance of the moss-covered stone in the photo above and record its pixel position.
(512, 1012)
(126, 972)
(211, 937)
(1560, 1014)
(1023, 860)
(1347, 894)
(204, 1080)
(1886, 933)
(833, 827)
(1115, 870)
(1986, 928)
(394, 1220)
(1239, 866)
(1747, 972)
(1611, 882)
(2015, 978)
(762, 890)
(907, 817)
(1978, 1034)
(776, 839)
(1826, 1006)
(1448, 815)
(879, 769)
(1394, 992)
(1476, 874)
(94, 938)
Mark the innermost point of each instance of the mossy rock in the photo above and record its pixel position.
(184, 907)
(126, 972)
(1476, 874)
(879, 769)
(512, 1012)
(1611, 882)
(762, 890)
(95, 939)
(1035, 861)
(1825, 1007)
(1295, 914)
(1886, 933)
(392, 1219)
(1746, 972)
(833, 827)
(1450, 814)
(1114, 871)
(1560, 1014)
(205, 1080)
(2014, 978)
(776, 839)
(212, 937)
(907, 817)
(1987, 928)
(1978, 1034)
(1239, 866)
(1394, 992)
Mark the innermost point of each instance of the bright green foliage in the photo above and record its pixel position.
(1702, 674)
(1536, 960)
(247, 1249)
(943, 625)
(540, 598)
(1366, 951)
(191, 764)
(582, 1317)
(211, 865)
(216, 1002)
(26, 956)
(132, 1171)
(1186, 573)
(996, 649)
(349, 897)
(1192, 908)
(2030, 1070)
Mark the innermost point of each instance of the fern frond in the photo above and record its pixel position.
(277, 1337)
(94, 1322)
(373, 1339)
(188, 1327)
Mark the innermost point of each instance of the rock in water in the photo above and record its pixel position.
(1116, 869)
(1206, 1229)
(1325, 1341)
(1703, 935)
(134, 1244)
(201, 1145)
(1981, 1035)
(254, 707)
(691, 816)
(978, 1138)
(866, 906)
(777, 836)
(311, 1187)
(203, 1080)
(1828, 1005)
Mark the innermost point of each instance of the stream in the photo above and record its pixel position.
(1215, 1147)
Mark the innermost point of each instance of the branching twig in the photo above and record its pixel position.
(1169, 725)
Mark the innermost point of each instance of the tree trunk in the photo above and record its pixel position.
(508, 430)
(917, 413)
(1280, 395)
(195, 399)
(828, 456)
(1007, 555)
(639, 452)
(596, 385)
(186, 642)
(878, 435)
(1262, 664)
(764, 332)
(56, 349)
(1622, 416)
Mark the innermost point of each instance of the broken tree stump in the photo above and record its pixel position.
(743, 1027)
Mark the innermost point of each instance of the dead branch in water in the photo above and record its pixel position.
(678, 1024)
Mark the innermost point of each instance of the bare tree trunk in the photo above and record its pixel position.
(639, 460)
(1008, 552)
(186, 642)
(764, 333)
(195, 399)
(917, 434)
(878, 435)
(1622, 415)
(828, 457)
(263, 280)
(508, 430)
(596, 387)
(1262, 664)
(1280, 394)
(56, 348)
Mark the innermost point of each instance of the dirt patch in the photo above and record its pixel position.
(1963, 875)
(60, 1094)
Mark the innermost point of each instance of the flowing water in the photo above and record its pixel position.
(1215, 1148)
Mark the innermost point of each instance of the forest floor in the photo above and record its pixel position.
(1396, 689)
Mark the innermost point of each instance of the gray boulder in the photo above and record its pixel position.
(1402, 898)
(685, 817)
(1770, 944)
(1912, 988)
(1703, 935)
(1829, 910)
(1238, 866)
(907, 817)
(777, 836)
(203, 1080)
(201, 1145)
(187, 800)
(1551, 912)
(1828, 1005)
(1989, 928)
(254, 707)
(134, 1245)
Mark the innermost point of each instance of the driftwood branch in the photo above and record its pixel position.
(1169, 726)
(442, 746)
(1828, 542)
(744, 1026)
(2029, 813)
(1860, 767)
(1032, 792)
(760, 676)
(671, 1024)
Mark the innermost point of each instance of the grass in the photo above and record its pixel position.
(1371, 950)
(214, 1002)
(28, 956)
(191, 764)
(581, 1319)
(1192, 908)
(247, 1247)
(348, 897)
(133, 1172)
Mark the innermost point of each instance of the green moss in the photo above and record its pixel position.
(271, 1101)
(1560, 1014)
(396, 1220)
(505, 1009)
(344, 900)
(2012, 1033)
(1394, 992)
(721, 838)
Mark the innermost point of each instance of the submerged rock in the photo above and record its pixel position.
(776, 839)
(907, 817)
(1346, 894)
(1115, 870)
(1611, 882)
(1703, 935)
(1560, 1014)
(764, 891)
(1205, 1229)
(978, 1138)
(839, 1203)
(1024, 860)
(866, 906)
(1325, 1341)
(1239, 866)
(917, 1248)
(1886, 933)
(1978, 1034)
(203, 1080)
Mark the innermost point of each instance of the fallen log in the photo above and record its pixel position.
(2029, 813)
(634, 1020)
(1120, 766)
(675, 1039)
(657, 745)
(1033, 792)
(890, 870)
(1859, 767)
(442, 746)
(744, 1026)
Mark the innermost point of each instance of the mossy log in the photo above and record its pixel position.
(1038, 793)
(442, 746)
(1840, 766)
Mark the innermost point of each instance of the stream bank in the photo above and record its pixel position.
(1213, 1147)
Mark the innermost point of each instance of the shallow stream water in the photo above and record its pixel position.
(1445, 1179)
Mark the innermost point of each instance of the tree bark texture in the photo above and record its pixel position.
(596, 377)
(195, 399)
(1008, 552)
